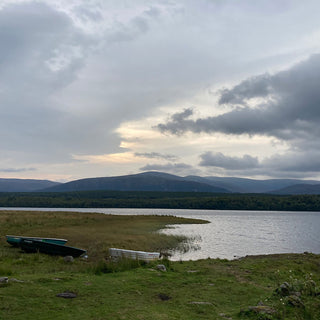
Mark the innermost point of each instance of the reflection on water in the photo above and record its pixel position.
(232, 234)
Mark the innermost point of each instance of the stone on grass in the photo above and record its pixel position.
(284, 289)
(201, 303)
(67, 295)
(15, 280)
(223, 315)
(68, 259)
(262, 309)
(4, 280)
(161, 267)
(295, 301)
(164, 297)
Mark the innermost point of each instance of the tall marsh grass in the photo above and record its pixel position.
(94, 232)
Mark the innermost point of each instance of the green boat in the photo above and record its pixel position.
(16, 240)
(34, 245)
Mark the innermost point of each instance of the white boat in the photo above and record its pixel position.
(132, 254)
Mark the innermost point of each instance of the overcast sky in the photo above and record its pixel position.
(113, 87)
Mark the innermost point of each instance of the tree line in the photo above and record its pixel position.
(170, 200)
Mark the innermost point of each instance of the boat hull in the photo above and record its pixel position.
(31, 245)
(15, 240)
(132, 254)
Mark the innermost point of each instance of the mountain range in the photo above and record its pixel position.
(25, 185)
(159, 181)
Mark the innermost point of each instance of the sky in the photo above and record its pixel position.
(97, 88)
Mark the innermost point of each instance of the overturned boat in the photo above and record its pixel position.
(132, 254)
(34, 245)
(16, 240)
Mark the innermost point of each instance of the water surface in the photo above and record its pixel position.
(233, 234)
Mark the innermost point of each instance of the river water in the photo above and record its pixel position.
(233, 234)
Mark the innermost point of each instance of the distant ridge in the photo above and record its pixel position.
(299, 189)
(147, 181)
(243, 185)
(160, 181)
(25, 185)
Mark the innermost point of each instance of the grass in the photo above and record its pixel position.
(204, 289)
(94, 232)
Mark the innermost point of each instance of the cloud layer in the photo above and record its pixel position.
(73, 73)
(285, 106)
(289, 111)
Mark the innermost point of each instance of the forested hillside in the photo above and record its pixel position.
(177, 200)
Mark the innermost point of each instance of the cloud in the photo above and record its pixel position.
(41, 54)
(230, 163)
(72, 73)
(169, 167)
(16, 169)
(156, 155)
(292, 164)
(289, 110)
(259, 86)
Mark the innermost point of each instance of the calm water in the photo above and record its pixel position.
(233, 234)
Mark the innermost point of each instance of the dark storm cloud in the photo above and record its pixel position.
(292, 164)
(218, 159)
(156, 155)
(254, 87)
(290, 109)
(239, 121)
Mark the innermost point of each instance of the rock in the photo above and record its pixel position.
(68, 259)
(223, 315)
(4, 280)
(262, 309)
(14, 280)
(165, 255)
(295, 301)
(67, 295)
(284, 289)
(310, 288)
(163, 297)
(161, 267)
(201, 302)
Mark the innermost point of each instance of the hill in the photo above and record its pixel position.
(242, 185)
(148, 181)
(25, 185)
(164, 182)
(299, 189)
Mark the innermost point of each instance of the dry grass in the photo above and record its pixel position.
(94, 232)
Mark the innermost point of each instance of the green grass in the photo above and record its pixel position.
(204, 289)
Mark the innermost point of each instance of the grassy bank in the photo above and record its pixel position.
(94, 232)
(205, 289)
